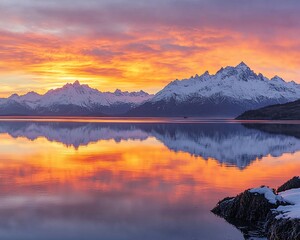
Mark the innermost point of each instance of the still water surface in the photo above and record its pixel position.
(142, 180)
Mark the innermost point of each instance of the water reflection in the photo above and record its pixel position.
(131, 181)
(233, 144)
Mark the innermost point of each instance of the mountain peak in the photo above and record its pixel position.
(205, 74)
(140, 93)
(240, 72)
(76, 83)
(242, 65)
(143, 92)
(15, 95)
(32, 93)
(118, 91)
(277, 78)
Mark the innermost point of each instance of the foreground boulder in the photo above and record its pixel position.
(276, 216)
(247, 206)
(287, 229)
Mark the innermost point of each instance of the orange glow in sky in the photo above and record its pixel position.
(133, 45)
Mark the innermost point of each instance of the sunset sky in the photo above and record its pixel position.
(142, 44)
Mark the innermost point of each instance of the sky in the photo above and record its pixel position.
(142, 44)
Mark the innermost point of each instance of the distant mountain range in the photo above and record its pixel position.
(234, 145)
(228, 93)
(72, 100)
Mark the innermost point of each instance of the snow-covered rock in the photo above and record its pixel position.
(292, 211)
(268, 194)
(276, 216)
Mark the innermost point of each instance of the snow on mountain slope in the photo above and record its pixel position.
(81, 97)
(232, 90)
(238, 82)
(30, 99)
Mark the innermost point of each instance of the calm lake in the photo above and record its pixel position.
(133, 180)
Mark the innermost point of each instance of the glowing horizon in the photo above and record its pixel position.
(142, 45)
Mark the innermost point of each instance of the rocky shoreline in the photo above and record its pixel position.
(272, 213)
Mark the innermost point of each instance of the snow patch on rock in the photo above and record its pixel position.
(268, 193)
(290, 211)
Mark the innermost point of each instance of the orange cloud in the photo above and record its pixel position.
(134, 51)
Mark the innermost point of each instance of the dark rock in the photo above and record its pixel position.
(287, 229)
(254, 210)
(247, 206)
(291, 184)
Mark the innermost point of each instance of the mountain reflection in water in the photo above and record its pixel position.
(232, 144)
(117, 181)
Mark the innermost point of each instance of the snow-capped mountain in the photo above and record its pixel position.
(228, 93)
(72, 99)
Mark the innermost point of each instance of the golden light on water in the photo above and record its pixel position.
(133, 160)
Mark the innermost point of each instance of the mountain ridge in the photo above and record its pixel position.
(227, 93)
(72, 99)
